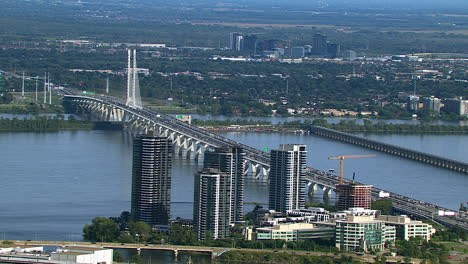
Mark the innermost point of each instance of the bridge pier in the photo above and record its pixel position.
(313, 188)
(327, 194)
(258, 171)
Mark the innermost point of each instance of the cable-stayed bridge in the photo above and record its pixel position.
(191, 142)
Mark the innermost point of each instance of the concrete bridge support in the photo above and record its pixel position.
(258, 171)
(327, 193)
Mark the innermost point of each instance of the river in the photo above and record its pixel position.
(53, 183)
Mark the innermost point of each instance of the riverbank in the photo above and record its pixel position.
(32, 108)
(349, 126)
(44, 123)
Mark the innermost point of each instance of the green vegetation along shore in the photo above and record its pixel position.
(43, 123)
(241, 256)
(344, 125)
(380, 127)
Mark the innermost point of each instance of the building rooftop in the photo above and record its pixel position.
(73, 253)
(362, 219)
(289, 227)
(83, 248)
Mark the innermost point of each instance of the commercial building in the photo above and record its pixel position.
(432, 104)
(294, 232)
(287, 178)
(363, 232)
(7, 249)
(235, 41)
(457, 106)
(211, 210)
(312, 214)
(151, 180)
(333, 50)
(407, 228)
(319, 44)
(349, 55)
(297, 52)
(353, 196)
(88, 255)
(412, 103)
(249, 44)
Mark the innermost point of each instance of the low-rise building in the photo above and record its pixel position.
(363, 232)
(407, 228)
(294, 232)
(81, 254)
(7, 249)
(313, 214)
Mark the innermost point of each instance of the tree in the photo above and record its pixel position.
(140, 231)
(384, 205)
(101, 230)
(180, 235)
(137, 259)
(117, 256)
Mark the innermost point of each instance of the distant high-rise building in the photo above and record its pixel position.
(412, 103)
(297, 52)
(249, 44)
(230, 161)
(235, 41)
(319, 43)
(349, 55)
(151, 179)
(457, 106)
(333, 50)
(352, 196)
(432, 104)
(271, 44)
(287, 178)
(212, 204)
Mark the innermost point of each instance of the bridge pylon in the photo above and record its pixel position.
(133, 85)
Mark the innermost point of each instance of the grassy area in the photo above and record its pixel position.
(243, 256)
(456, 246)
(168, 107)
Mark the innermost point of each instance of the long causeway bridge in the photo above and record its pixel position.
(190, 142)
(427, 158)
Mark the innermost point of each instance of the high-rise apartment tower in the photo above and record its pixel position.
(230, 161)
(151, 180)
(287, 178)
(211, 209)
(225, 167)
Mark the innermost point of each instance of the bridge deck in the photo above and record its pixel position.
(406, 204)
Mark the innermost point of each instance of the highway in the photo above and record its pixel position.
(401, 203)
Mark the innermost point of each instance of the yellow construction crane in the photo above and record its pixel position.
(342, 158)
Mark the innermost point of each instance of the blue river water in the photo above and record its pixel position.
(53, 183)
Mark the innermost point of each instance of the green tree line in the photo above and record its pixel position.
(41, 123)
(368, 126)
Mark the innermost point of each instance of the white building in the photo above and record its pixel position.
(7, 249)
(363, 232)
(407, 228)
(81, 254)
(294, 232)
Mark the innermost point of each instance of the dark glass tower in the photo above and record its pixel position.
(151, 181)
(287, 178)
